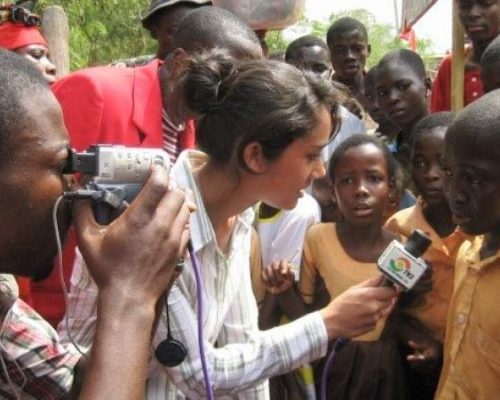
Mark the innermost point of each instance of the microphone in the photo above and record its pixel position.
(402, 265)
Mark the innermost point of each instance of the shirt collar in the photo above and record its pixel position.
(168, 121)
(473, 257)
(201, 229)
(418, 221)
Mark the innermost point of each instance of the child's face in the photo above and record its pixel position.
(361, 185)
(315, 59)
(480, 18)
(472, 186)
(369, 102)
(490, 75)
(427, 169)
(349, 52)
(401, 94)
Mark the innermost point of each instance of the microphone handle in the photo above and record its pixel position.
(386, 282)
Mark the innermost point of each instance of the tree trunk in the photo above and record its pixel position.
(56, 30)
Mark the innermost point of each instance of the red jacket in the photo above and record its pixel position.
(106, 105)
(111, 105)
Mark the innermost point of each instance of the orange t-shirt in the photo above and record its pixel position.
(324, 256)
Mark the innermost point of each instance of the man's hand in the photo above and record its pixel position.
(278, 277)
(357, 310)
(136, 254)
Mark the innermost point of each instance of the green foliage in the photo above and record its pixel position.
(382, 36)
(103, 31)
(276, 42)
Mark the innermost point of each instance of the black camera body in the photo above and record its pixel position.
(117, 172)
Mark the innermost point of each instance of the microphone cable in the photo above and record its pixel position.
(61, 269)
(201, 345)
(337, 346)
(97, 195)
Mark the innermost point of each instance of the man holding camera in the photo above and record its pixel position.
(33, 155)
(118, 106)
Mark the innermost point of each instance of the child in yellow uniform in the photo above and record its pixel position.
(432, 215)
(471, 363)
(342, 255)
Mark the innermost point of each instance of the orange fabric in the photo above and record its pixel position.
(14, 36)
(324, 256)
(431, 310)
(471, 365)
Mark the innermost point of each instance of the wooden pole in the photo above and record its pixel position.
(55, 28)
(396, 18)
(458, 64)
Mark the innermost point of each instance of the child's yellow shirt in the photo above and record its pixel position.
(324, 256)
(471, 365)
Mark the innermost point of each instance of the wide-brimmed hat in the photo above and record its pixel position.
(157, 5)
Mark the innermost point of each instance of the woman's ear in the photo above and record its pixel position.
(254, 158)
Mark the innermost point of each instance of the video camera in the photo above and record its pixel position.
(113, 176)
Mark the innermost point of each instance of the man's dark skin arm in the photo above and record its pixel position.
(152, 232)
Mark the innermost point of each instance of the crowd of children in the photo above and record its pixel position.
(383, 159)
(406, 153)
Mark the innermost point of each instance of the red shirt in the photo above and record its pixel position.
(441, 87)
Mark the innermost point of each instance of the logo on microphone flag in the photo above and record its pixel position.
(399, 264)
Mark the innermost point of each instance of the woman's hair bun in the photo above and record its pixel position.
(204, 80)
